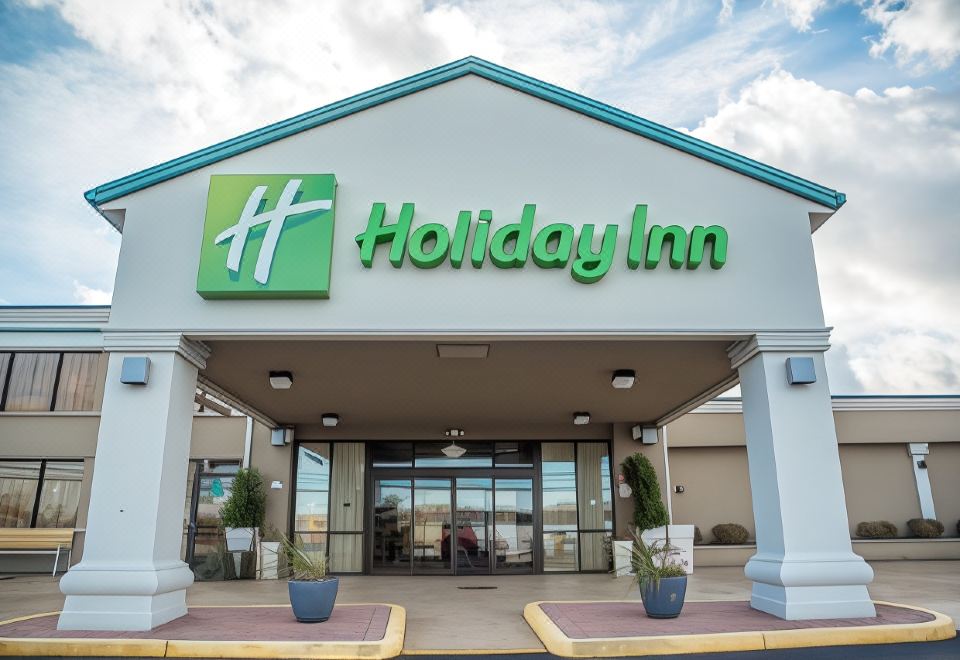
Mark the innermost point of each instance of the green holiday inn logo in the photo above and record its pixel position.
(268, 236)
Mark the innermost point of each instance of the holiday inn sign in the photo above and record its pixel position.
(271, 236)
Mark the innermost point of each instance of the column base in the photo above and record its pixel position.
(122, 612)
(797, 603)
(123, 598)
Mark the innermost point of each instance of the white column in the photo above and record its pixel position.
(805, 567)
(131, 576)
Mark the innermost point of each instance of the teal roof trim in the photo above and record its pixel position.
(470, 65)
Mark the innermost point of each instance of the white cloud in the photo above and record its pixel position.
(726, 10)
(800, 13)
(888, 267)
(920, 33)
(86, 295)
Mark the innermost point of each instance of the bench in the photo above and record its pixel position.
(43, 541)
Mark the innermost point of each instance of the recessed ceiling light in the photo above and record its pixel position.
(330, 419)
(623, 379)
(581, 418)
(281, 380)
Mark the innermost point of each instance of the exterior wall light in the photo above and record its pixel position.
(623, 379)
(801, 371)
(281, 380)
(581, 418)
(135, 370)
(454, 433)
(330, 420)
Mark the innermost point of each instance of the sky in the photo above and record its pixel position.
(861, 96)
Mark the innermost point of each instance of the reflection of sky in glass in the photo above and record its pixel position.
(313, 471)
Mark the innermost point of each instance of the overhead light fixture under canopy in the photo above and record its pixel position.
(623, 379)
(330, 419)
(281, 380)
(581, 418)
(453, 450)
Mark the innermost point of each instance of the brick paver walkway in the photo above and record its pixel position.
(628, 619)
(348, 623)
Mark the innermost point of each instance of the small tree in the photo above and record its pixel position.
(247, 504)
(648, 508)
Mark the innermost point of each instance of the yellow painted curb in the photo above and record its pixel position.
(558, 643)
(472, 651)
(939, 629)
(390, 646)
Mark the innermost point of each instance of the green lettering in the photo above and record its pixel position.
(562, 235)
(519, 234)
(590, 266)
(459, 246)
(637, 229)
(424, 234)
(678, 245)
(717, 236)
(377, 233)
(479, 251)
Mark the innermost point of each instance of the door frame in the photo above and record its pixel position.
(451, 474)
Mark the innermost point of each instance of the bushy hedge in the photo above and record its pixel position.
(730, 534)
(925, 528)
(877, 529)
(247, 504)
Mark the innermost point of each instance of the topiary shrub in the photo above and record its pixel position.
(247, 504)
(877, 529)
(925, 528)
(649, 511)
(697, 536)
(730, 534)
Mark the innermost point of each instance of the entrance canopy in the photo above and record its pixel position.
(407, 385)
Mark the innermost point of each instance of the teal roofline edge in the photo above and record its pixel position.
(107, 192)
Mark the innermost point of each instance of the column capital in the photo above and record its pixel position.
(792, 341)
(195, 352)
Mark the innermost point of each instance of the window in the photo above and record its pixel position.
(39, 493)
(39, 382)
(312, 503)
(346, 507)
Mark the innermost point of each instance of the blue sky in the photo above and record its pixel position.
(862, 96)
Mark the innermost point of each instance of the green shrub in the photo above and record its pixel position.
(925, 528)
(877, 529)
(648, 508)
(697, 536)
(730, 534)
(247, 504)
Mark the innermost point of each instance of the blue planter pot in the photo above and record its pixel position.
(663, 600)
(313, 602)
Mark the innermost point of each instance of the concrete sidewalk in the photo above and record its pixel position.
(452, 613)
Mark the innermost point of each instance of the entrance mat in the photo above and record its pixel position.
(370, 630)
(580, 629)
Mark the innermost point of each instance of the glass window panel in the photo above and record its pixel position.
(31, 381)
(514, 454)
(560, 551)
(346, 553)
(60, 494)
(595, 551)
(4, 366)
(559, 483)
(313, 487)
(392, 517)
(430, 454)
(474, 524)
(18, 492)
(78, 382)
(314, 543)
(513, 536)
(593, 486)
(215, 487)
(392, 454)
(346, 482)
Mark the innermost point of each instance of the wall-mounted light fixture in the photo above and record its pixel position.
(801, 371)
(330, 420)
(281, 380)
(581, 418)
(454, 433)
(623, 379)
(135, 370)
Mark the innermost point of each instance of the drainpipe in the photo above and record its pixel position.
(666, 471)
(248, 442)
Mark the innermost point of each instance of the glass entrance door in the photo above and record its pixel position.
(474, 525)
(432, 537)
(513, 532)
